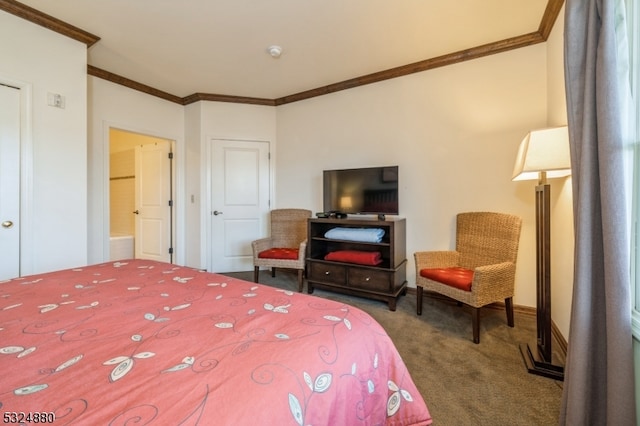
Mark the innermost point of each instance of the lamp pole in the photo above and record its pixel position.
(539, 360)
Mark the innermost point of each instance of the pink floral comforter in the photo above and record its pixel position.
(141, 342)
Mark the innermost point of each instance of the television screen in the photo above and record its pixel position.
(370, 190)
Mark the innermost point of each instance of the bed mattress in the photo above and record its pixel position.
(143, 342)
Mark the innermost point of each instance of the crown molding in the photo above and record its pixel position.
(33, 15)
(549, 17)
(123, 81)
(196, 97)
(437, 62)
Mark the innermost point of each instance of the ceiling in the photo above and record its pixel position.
(207, 49)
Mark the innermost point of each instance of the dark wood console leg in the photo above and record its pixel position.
(256, 271)
(419, 291)
(392, 304)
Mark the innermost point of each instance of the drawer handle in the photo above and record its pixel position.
(367, 279)
(327, 273)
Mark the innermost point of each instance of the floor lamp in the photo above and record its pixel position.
(543, 154)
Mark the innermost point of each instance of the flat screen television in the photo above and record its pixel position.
(369, 190)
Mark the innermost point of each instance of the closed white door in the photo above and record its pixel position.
(153, 202)
(9, 182)
(240, 190)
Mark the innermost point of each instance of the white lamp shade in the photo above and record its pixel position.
(544, 150)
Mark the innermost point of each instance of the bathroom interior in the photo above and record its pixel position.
(122, 190)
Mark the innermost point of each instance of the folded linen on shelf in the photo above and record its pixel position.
(366, 235)
(371, 258)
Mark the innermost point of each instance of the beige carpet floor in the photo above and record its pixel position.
(461, 382)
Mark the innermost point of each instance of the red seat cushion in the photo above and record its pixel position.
(279, 253)
(455, 277)
(355, 256)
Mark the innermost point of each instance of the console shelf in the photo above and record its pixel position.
(386, 281)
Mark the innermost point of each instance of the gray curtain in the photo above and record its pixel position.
(599, 377)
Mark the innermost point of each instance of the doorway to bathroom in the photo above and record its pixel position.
(140, 196)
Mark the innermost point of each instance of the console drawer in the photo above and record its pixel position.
(369, 279)
(327, 273)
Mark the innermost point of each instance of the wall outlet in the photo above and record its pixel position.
(55, 100)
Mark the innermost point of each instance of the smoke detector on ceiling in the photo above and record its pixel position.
(274, 51)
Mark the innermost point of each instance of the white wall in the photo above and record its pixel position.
(54, 188)
(454, 132)
(115, 106)
(562, 237)
(217, 120)
(193, 210)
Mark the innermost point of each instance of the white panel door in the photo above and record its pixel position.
(240, 202)
(153, 196)
(9, 182)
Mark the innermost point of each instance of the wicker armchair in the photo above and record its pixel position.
(482, 268)
(286, 246)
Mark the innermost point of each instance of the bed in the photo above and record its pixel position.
(143, 342)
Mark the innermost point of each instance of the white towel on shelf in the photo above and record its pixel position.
(365, 235)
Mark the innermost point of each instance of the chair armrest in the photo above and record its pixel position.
(261, 245)
(436, 259)
(302, 250)
(498, 279)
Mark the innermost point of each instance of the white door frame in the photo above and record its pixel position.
(26, 173)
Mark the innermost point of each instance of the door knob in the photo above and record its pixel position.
(137, 211)
(7, 224)
(216, 212)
